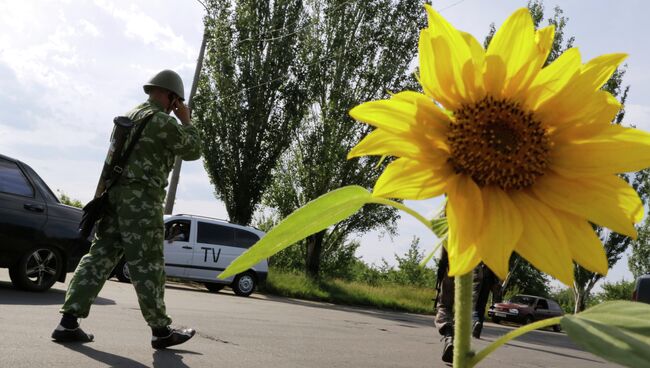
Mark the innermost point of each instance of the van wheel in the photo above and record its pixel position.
(122, 271)
(215, 288)
(244, 284)
(37, 270)
(496, 320)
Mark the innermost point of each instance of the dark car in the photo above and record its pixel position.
(525, 309)
(39, 238)
(642, 289)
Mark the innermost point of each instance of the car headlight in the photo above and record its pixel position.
(514, 311)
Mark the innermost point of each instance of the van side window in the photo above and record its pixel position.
(13, 181)
(245, 239)
(215, 234)
(542, 304)
(178, 230)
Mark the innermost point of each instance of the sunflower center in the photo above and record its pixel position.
(497, 143)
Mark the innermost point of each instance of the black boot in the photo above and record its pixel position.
(167, 336)
(448, 348)
(476, 329)
(62, 334)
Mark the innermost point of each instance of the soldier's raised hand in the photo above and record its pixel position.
(181, 111)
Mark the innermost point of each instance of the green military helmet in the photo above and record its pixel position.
(169, 80)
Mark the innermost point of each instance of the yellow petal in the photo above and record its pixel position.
(612, 150)
(450, 54)
(464, 213)
(494, 75)
(603, 109)
(599, 69)
(519, 84)
(398, 116)
(607, 201)
(461, 263)
(514, 42)
(410, 179)
(543, 242)
(551, 79)
(502, 228)
(382, 143)
(586, 248)
(571, 103)
(473, 70)
(427, 76)
(449, 75)
(427, 111)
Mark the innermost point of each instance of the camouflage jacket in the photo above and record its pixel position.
(162, 139)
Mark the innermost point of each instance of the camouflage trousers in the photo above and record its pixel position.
(483, 282)
(131, 226)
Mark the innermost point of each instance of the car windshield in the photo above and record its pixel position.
(519, 299)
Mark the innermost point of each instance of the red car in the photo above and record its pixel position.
(525, 309)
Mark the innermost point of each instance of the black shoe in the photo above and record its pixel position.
(62, 334)
(175, 337)
(448, 349)
(476, 329)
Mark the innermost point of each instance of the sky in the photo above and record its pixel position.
(68, 67)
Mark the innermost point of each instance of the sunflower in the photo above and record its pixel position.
(525, 153)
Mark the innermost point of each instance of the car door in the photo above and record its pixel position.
(541, 309)
(210, 254)
(23, 212)
(178, 246)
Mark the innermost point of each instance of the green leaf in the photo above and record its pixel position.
(313, 217)
(617, 331)
(440, 227)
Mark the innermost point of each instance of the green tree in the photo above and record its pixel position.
(356, 52)
(525, 278)
(65, 199)
(621, 290)
(639, 259)
(250, 97)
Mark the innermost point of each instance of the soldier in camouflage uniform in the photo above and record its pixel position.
(132, 225)
(484, 281)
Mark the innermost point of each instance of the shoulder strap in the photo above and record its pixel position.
(118, 168)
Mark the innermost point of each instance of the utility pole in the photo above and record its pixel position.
(173, 184)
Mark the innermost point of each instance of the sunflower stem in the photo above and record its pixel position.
(462, 320)
(512, 335)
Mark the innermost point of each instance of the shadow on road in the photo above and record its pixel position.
(11, 296)
(170, 358)
(108, 359)
(541, 338)
(402, 317)
(556, 353)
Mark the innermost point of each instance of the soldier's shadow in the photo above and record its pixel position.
(108, 359)
(170, 358)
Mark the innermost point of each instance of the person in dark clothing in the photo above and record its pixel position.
(484, 281)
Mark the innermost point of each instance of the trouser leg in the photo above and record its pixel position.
(444, 320)
(141, 222)
(144, 255)
(94, 268)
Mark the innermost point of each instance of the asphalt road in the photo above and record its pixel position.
(259, 331)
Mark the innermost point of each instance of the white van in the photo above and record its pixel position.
(199, 248)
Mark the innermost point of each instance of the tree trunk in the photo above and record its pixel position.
(176, 173)
(314, 250)
(579, 300)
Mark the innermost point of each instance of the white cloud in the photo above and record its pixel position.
(139, 25)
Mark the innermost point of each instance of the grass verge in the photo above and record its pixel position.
(387, 296)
